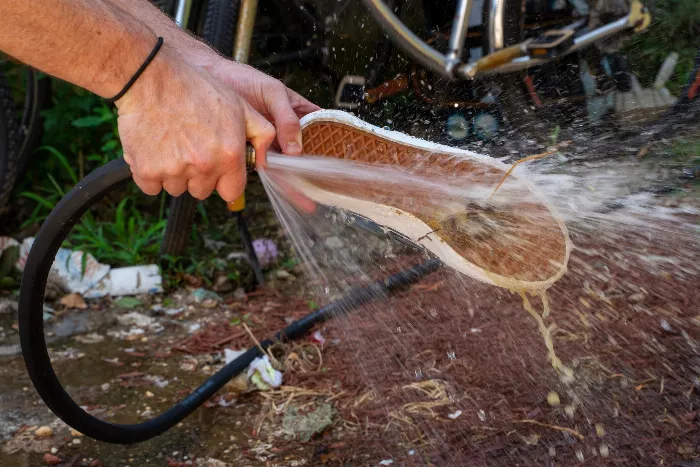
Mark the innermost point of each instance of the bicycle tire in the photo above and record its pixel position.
(38, 98)
(9, 142)
(218, 30)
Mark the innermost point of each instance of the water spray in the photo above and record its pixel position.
(451, 240)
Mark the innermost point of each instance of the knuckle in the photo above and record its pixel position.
(147, 173)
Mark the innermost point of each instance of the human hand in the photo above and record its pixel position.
(270, 97)
(182, 129)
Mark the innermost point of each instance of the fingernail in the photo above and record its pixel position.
(294, 147)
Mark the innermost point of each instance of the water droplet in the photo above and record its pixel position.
(579, 455)
(398, 329)
(433, 312)
(604, 450)
(451, 355)
(419, 374)
(552, 451)
(482, 415)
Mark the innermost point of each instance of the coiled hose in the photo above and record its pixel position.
(31, 323)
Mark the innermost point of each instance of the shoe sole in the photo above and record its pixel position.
(527, 250)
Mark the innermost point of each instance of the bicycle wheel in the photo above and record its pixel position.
(9, 142)
(218, 30)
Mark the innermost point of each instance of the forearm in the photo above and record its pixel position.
(90, 43)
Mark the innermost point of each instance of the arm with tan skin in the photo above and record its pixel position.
(279, 104)
(184, 123)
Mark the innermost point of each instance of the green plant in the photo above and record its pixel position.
(128, 239)
(675, 27)
(175, 269)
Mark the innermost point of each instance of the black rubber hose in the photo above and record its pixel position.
(31, 323)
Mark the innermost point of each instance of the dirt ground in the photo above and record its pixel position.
(626, 320)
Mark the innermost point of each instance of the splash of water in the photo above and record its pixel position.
(453, 368)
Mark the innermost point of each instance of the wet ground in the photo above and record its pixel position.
(626, 318)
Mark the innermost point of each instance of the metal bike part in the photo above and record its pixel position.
(637, 19)
(182, 13)
(513, 58)
(495, 30)
(458, 33)
(249, 157)
(351, 92)
(244, 30)
(407, 41)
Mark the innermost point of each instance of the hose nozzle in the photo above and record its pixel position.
(249, 157)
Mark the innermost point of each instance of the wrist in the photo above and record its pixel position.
(151, 85)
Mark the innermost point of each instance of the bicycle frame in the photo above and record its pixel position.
(500, 60)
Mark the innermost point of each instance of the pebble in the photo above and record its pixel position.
(75, 433)
(44, 432)
(637, 297)
(282, 274)
(54, 450)
(149, 394)
(599, 430)
(569, 411)
(553, 399)
(76, 441)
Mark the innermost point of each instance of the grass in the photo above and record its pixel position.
(675, 27)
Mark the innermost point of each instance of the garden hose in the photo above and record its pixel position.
(31, 323)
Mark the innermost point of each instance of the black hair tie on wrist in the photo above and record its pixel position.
(138, 73)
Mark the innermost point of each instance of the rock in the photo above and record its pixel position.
(44, 432)
(75, 433)
(282, 274)
(201, 295)
(304, 425)
(637, 297)
(222, 284)
(8, 306)
(135, 319)
(51, 459)
(73, 300)
(149, 394)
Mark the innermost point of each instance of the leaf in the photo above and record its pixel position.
(74, 300)
(110, 145)
(90, 121)
(39, 199)
(62, 160)
(128, 302)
